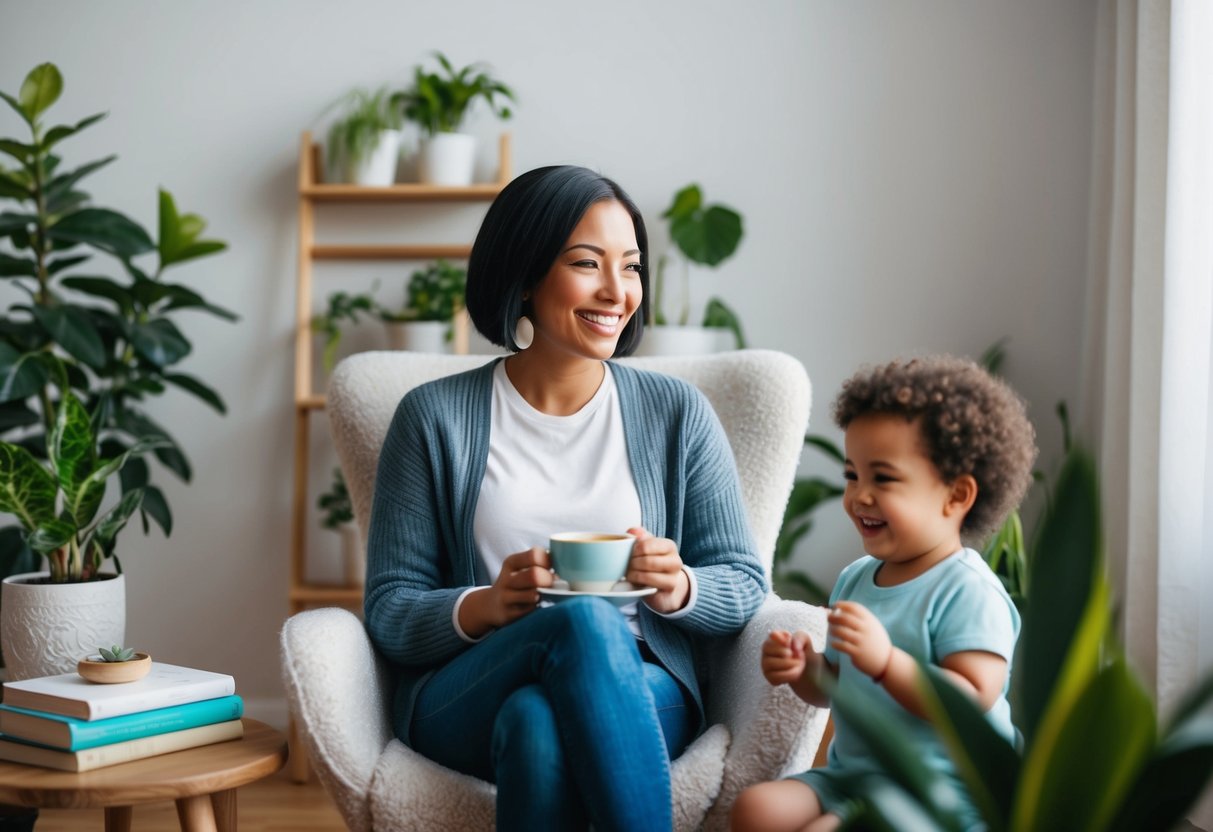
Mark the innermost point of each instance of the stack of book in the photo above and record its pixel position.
(71, 724)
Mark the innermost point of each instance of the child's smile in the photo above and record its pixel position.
(905, 513)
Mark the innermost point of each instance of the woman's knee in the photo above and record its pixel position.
(525, 732)
(591, 621)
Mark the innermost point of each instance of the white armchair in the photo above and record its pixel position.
(338, 687)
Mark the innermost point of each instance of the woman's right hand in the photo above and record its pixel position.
(514, 594)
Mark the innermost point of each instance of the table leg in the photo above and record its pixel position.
(196, 814)
(224, 804)
(297, 761)
(118, 818)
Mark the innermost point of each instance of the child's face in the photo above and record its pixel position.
(900, 505)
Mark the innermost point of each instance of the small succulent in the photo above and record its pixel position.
(116, 654)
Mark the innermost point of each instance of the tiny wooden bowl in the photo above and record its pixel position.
(110, 673)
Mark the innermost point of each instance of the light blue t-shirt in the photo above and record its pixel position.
(957, 605)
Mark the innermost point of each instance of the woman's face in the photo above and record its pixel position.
(582, 305)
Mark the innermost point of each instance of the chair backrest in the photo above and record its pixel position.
(761, 398)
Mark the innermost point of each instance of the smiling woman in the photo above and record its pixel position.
(553, 438)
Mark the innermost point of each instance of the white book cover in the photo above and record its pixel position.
(70, 694)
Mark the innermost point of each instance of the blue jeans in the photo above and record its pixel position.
(561, 712)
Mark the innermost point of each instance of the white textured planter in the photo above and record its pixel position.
(418, 336)
(46, 629)
(377, 168)
(679, 340)
(353, 557)
(448, 159)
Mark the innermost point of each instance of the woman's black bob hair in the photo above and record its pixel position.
(523, 232)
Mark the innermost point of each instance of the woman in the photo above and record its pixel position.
(573, 710)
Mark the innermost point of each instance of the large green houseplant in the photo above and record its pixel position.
(439, 102)
(82, 350)
(1094, 756)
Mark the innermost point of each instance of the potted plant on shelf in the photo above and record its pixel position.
(425, 323)
(338, 516)
(364, 143)
(438, 102)
(703, 234)
(79, 356)
(433, 298)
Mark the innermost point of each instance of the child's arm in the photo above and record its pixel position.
(790, 659)
(855, 631)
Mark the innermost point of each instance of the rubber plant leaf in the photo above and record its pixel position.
(103, 229)
(71, 327)
(40, 90)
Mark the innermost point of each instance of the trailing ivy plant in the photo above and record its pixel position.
(80, 334)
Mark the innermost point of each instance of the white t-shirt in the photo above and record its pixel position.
(548, 474)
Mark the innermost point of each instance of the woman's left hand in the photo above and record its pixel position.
(655, 562)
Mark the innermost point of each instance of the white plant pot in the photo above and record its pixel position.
(45, 629)
(679, 340)
(377, 168)
(418, 336)
(353, 557)
(448, 159)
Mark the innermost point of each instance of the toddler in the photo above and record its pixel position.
(937, 450)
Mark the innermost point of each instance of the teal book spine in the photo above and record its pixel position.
(70, 734)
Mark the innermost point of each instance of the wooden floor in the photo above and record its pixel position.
(274, 804)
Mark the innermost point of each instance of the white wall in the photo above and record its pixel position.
(912, 177)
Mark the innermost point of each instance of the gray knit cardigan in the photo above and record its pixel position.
(421, 554)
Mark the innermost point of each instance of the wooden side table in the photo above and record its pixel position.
(202, 781)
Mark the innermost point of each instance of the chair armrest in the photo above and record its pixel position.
(774, 731)
(337, 688)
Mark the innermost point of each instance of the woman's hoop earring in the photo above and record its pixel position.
(524, 333)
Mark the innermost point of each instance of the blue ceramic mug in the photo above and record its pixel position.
(591, 561)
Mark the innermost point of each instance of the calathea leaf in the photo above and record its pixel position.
(27, 489)
(51, 535)
(108, 527)
(73, 453)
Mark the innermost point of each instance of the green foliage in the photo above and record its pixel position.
(439, 101)
(116, 653)
(808, 495)
(1093, 757)
(704, 234)
(434, 293)
(343, 308)
(56, 502)
(364, 116)
(85, 342)
(335, 503)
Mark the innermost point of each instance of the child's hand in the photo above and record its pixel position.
(782, 658)
(855, 631)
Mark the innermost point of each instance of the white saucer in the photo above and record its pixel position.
(622, 594)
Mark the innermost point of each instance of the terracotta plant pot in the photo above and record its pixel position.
(110, 673)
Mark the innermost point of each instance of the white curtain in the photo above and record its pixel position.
(1149, 337)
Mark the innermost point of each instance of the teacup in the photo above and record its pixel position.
(591, 561)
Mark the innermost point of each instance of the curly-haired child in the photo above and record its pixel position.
(937, 450)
